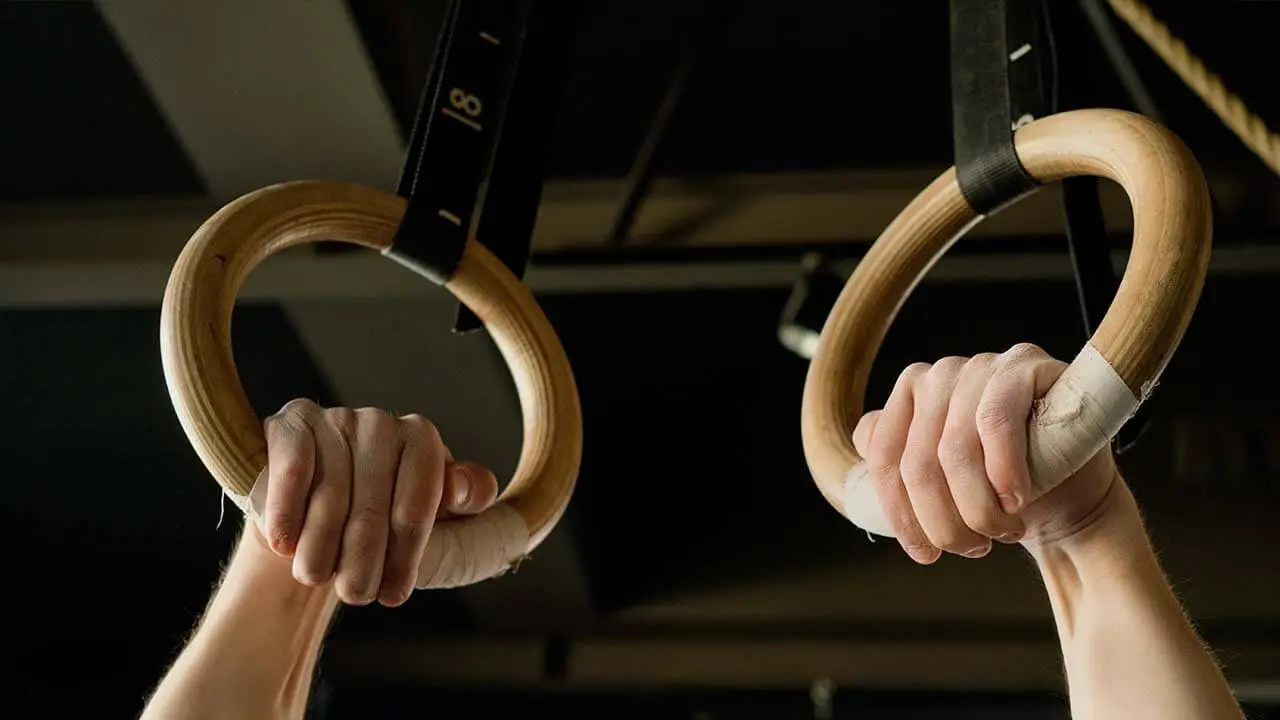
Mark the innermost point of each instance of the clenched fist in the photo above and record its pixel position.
(948, 454)
(352, 496)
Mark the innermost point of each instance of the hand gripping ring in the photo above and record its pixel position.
(195, 343)
(1119, 365)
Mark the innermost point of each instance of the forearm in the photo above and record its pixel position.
(255, 650)
(1129, 649)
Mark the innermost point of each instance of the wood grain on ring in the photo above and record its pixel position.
(205, 388)
(1141, 330)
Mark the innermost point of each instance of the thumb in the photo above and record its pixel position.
(469, 488)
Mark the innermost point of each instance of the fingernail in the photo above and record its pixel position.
(302, 575)
(925, 555)
(1012, 536)
(461, 486)
(393, 597)
(282, 543)
(977, 552)
(1010, 503)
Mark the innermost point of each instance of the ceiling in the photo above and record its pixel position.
(697, 564)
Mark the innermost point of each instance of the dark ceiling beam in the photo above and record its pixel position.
(737, 210)
(729, 211)
(302, 277)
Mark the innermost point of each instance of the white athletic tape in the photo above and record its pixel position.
(861, 504)
(1083, 410)
(467, 550)
(461, 551)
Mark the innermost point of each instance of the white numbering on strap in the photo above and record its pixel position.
(464, 108)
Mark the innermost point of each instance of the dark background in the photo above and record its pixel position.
(693, 487)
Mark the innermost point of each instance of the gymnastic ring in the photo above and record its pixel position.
(195, 342)
(1115, 370)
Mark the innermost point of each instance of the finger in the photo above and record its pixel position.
(316, 559)
(416, 499)
(1024, 372)
(862, 434)
(884, 454)
(470, 488)
(375, 456)
(291, 457)
(961, 457)
(922, 474)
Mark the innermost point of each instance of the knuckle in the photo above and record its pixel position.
(992, 416)
(947, 368)
(329, 504)
(367, 518)
(902, 517)
(1006, 478)
(341, 419)
(863, 431)
(421, 430)
(880, 458)
(913, 372)
(292, 471)
(886, 452)
(881, 466)
(950, 538)
(373, 418)
(413, 527)
(299, 406)
(956, 449)
(1025, 351)
(981, 360)
(984, 520)
(919, 470)
(326, 524)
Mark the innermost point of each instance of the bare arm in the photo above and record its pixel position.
(351, 499)
(1129, 649)
(949, 457)
(254, 652)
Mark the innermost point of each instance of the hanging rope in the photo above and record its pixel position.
(1250, 128)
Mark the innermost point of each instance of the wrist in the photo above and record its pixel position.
(263, 618)
(1109, 559)
(254, 652)
(1110, 533)
(263, 581)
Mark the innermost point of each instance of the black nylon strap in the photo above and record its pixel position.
(451, 145)
(513, 193)
(1004, 73)
(1087, 237)
(983, 88)
(1090, 251)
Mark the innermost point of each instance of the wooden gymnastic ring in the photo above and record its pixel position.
(195, 341)
(1117, 367)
